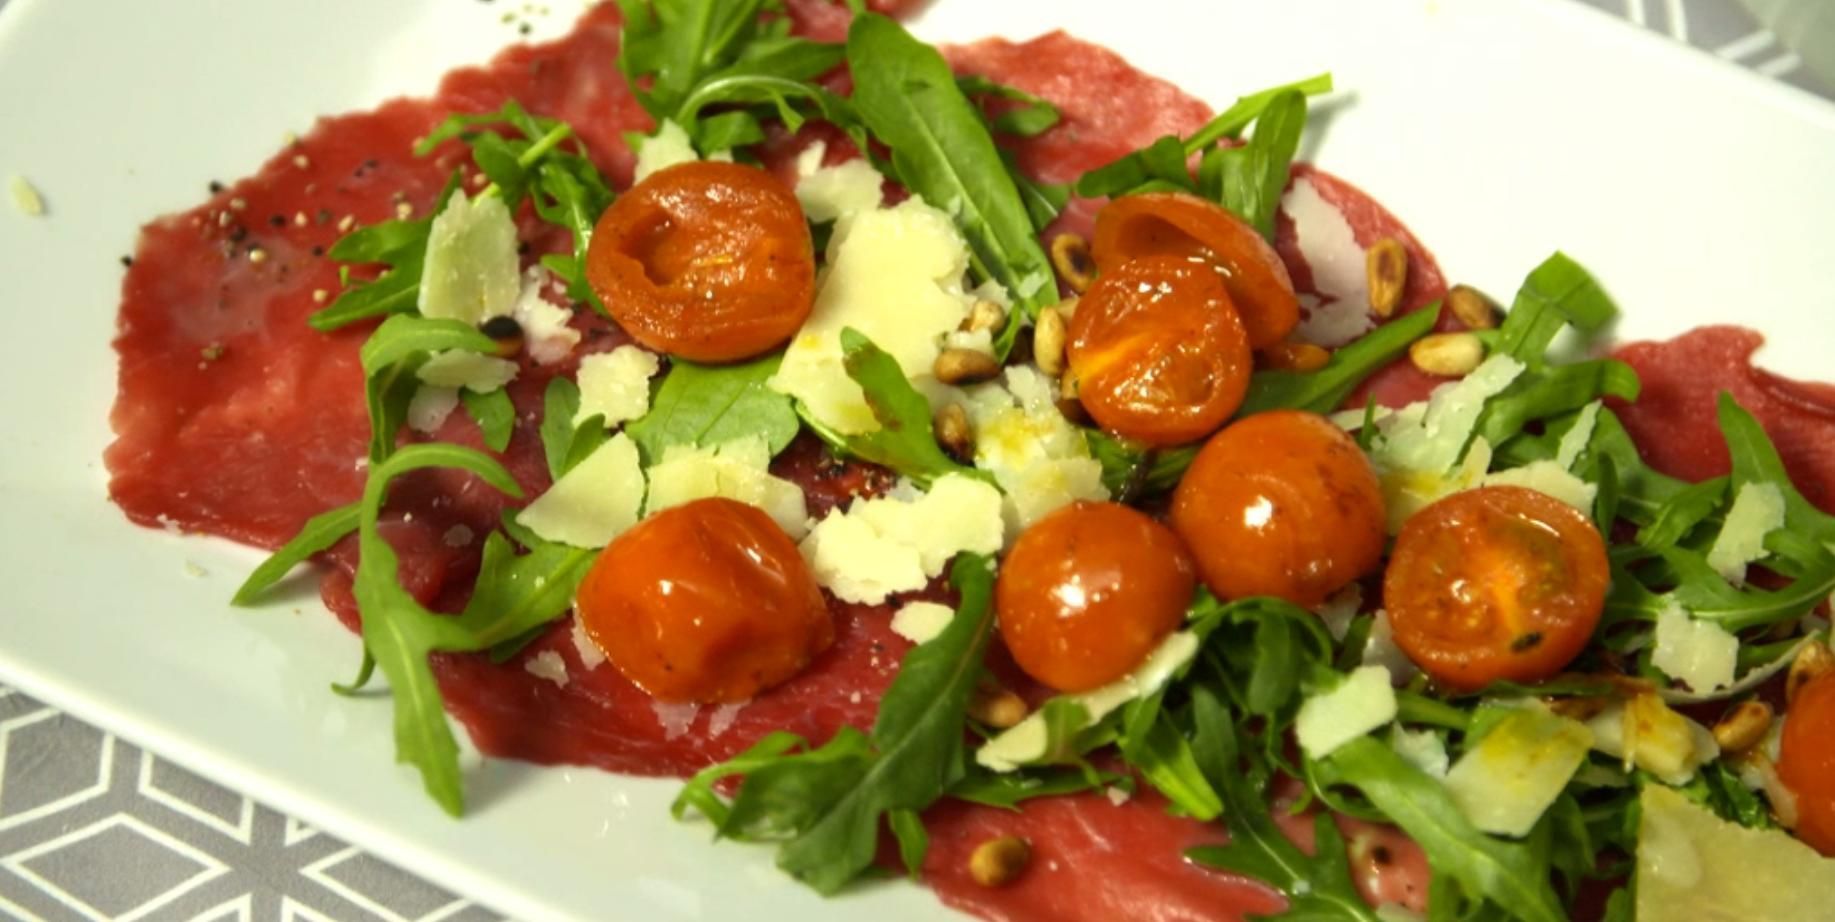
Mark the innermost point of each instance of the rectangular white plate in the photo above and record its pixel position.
(1498, 129)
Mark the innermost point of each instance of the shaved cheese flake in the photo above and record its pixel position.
(888, 545)
(1040, 460)
(1380, 649)
(1648, 734)
(737, 470)
(1549, 477)
(471, 273)
(1694, 865)
(1434, 441)
(669, 146)
(473, 371)
(548, 665)
(1506, 782)
(1424, 749)
(1027, 741)
(429, 407)
(593, 503)
(1577, 437)
(1361, 703)
(894, 274)
(829, 193)
(1340, 311)
(616, 384)
(583, 644)
(920, 622)
(1757, 511)
(1700, 653)
(545, 331)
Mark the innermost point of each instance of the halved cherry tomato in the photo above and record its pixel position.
(1175, 224)
(1806, 762)
(706, 601)
(1497, 583)
(708, 261)
(1088, 591)
(1157, 351)
(1281, 504)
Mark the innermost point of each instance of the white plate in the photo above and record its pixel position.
(1498, 129)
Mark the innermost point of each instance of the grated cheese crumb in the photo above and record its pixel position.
(616, 384)
(548, 665)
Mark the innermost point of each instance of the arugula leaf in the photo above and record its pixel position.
(1324, 390)
(824, 805)
(1505, 873)
(1007, 790)
(1130, 470)
(671, 46)
(400, 633)
(495, 415)
(399, 246)
(390, 358)
(707, 405)
(913, 840)
(1679, 516)
(517, 593)
(1255, 174)
(942, 152)
(905, 441)
(1318, 886)
(1031, 117)
(1717, 787)
(1756, 460)
(1559, 292)
(563, 443)
(1540, 393)
(316, 536)
(1162, 754)
(777, 95)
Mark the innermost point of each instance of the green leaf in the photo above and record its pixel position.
(1131, 470)
(1560, 292)
(1541, 393)
(563, 443)
(1676, 518)
(1031, 117)
(400, 633)
(318, 535)
(1161, 163)
(825, 805)
(1325, 390)
(1255, 174)
(1756, 460)
(517, 593)
(1318, 886)
(495, 415)
(1505, 873)
(905, 441)
(942, 152)
(671, 46)
(1007, 790)
(1164, 757)
(913, 840)
(708, 405)
(391, 356)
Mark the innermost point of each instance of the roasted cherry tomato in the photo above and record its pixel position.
(1281, 504)
(707, 601)
(1806, 761)
(1088, 591)
(1158, 352)
(1174, 224)
(1497, 583)
(708, 261)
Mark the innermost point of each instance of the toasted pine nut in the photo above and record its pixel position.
(998, 862)
(1581, 708)
(985, 315)
(1813, 662)
(1070, 255)
(1295, 357)
(999, 708)
(1448, 355)
(954, 432)
(964, 366)
(1472, 308)
(1743, 726)
(1386, 270)
(1048, 340)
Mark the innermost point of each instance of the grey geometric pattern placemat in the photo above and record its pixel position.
(93, 828)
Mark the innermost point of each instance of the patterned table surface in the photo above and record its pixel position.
(92, 827)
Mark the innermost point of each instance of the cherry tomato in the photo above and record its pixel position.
(706, 601)
(707, 261)
(1806, 762)
(1281, 504)
(1175, 224)
(1497, 583)
(1158, 352)
(1088, 591)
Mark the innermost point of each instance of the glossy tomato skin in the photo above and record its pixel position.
(1185, 226)
(1806, 762)
(708, 601)
(1496, 583)
(1088, 591)
(707, 261)
(1281, 504)
(1157, 351)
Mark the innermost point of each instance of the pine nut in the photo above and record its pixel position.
(964, 366)
(999, 708)
(1295, 357)
(998, 862)
(1813, 662)
(1472, 308)
(1048, 340)
(1743, 726)
(1070, 255)
(1386, 270)
(985, 315)
(954, 432)
(1447, 355)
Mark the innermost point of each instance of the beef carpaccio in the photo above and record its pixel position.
(235, 418)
